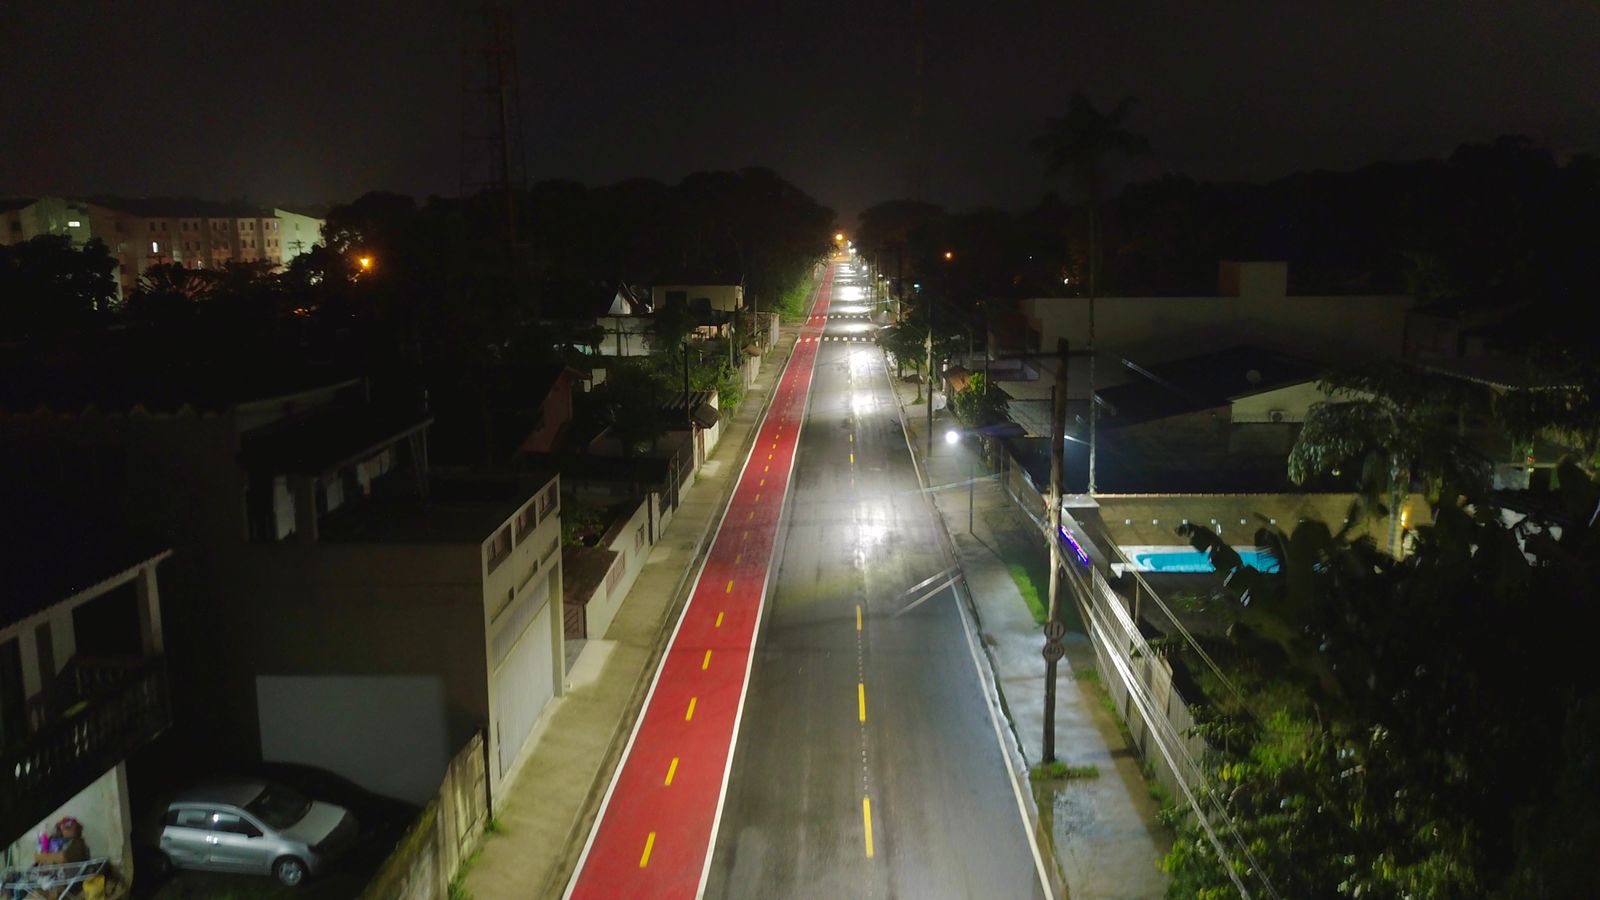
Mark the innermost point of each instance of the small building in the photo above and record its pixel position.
(83, 678)
(600, 574)
(699, 291)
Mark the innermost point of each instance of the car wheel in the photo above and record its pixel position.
(289, 871)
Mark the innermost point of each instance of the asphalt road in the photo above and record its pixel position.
(866, 763)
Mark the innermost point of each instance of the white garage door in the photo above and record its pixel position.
(523, 685)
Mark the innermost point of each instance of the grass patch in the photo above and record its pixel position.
(494, 826)
(1061, 770)
(1029, 591)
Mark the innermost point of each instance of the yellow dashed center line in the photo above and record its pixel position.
(719, 621)
(706, 663)
(858, 617)
(689, 714)
(763, 483)
(737, 557)
(861, 699)
(766, 469)
(730, 585)
(852, 439)
(866, 821)
(751, 516)
(649, 842)
(852, 459)
(671, 771)
(757, 500)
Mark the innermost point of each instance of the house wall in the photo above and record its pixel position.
(522, 636)
(107, 820)
(1151, 519)
(722, 296)
(1152, 330)
(1292, 402)
(632, 541)
(626, 335)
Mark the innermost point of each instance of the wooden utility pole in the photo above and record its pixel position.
(1058, 439)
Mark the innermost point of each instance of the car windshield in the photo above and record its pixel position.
(279, 807)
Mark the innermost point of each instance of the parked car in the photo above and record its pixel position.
(257, 827)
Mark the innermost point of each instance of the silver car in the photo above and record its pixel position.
(256, 827)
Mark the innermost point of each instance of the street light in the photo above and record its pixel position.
(365, 263)
(948, 255)
(952, 437)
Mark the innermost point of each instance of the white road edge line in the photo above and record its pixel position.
(977, 663)
(594, 829)
(779, 538)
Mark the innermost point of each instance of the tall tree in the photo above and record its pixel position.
(1079, 144)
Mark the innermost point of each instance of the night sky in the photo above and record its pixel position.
(302, 102)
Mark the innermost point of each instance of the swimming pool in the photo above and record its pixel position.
(1188, 559)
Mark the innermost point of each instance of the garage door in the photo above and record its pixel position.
(523, 685)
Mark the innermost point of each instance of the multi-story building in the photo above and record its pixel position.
(147, 232)
(27, 218)
(338, 604)
(83, 681)
(297, 232)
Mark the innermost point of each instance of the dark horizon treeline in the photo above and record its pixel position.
(447, 301)
(1503, 223)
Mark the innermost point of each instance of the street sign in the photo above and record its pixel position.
(1054, 630)
(1053, 651)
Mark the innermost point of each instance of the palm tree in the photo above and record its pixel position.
(1078, 144)
(1397, 426)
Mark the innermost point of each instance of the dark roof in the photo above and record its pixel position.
(181, 207)
(58, 544)
(578, 469)
(116, 372)
(1499, 372)
(705, 415)
(1203, 382)
(328, 438)
(7, 204)
(582, 571)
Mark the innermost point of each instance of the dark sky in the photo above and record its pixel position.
(320, 101)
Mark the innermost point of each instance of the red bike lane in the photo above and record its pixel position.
(656, 826)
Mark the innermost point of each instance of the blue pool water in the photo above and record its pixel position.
(1195, 561)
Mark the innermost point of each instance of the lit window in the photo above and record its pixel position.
(74, 223)
(155, 247)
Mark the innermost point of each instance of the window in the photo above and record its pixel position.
(527, 521)
(189, 818)
(229, 823)
(74, 223)
(163, 226)
(155, 247)
(499, 548)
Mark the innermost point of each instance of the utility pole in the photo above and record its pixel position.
(931, 306)
(1058, 438)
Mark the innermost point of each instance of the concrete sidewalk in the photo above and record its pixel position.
(542, 825)
(1104, 830)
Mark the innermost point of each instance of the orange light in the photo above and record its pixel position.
(365, 261)
(949, 255)
(838, 235)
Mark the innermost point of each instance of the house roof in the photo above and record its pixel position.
(1202, 382)
(181, 207)
(59, 543)
(1499, 372)
(116, 372)
(324, 440)
(705, 415)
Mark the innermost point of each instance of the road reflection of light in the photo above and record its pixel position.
(850, 327)
(847, 293)
(842, 309)
(861, 361)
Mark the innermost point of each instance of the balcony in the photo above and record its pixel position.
(99, 712)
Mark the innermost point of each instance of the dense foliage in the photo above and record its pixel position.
(1407, 728)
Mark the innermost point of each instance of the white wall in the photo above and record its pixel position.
(103, 809)
(633, 543)
(351, 725)
(1293, 401)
